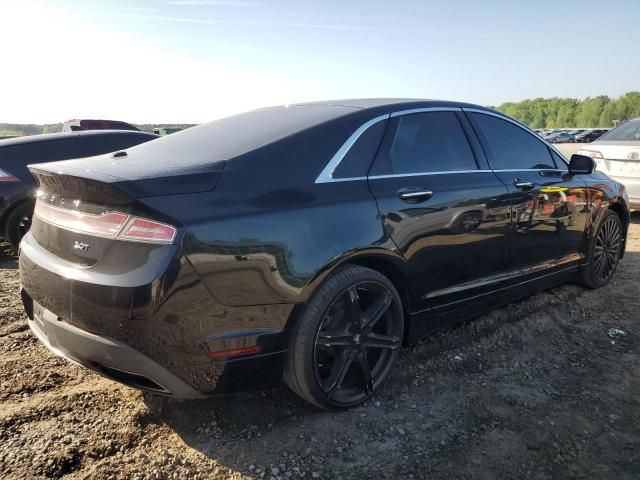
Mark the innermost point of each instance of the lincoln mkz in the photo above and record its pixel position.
(306, 243)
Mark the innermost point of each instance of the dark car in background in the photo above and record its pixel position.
(306, 242)
(17, 185)
(589, 135)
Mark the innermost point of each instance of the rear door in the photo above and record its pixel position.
(549, 206)
(444, 209)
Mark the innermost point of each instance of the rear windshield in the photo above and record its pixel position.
(232, 136)
(627, 131)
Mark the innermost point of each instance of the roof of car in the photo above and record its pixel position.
(61, 135)
(381, 102)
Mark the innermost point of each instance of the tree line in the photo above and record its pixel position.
(600, 111)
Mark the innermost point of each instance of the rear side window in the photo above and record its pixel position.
(93, 125)
(423, 143)
(120, 126)
(359, 157)
(511, 147)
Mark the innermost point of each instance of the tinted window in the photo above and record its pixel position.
(511, 147)
(625, 132)
(358, 159)
(120, 126)
(424, 142)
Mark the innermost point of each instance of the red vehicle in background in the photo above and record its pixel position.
(77, 124)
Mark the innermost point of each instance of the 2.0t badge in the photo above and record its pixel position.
(81, 246)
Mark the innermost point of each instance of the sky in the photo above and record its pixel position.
(189, 61)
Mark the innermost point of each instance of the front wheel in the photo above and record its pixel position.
(604, 252)
(347, 340)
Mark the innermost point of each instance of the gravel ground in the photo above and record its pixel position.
(546, 388)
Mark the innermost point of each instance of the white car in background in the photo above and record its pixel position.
(617, 153)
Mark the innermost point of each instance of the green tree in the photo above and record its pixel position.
(600, 111)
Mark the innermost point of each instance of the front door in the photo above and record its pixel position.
(549, 206)
(444, 209)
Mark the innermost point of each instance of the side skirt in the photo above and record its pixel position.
(427, 322)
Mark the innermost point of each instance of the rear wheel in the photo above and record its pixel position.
(18, 224)
(604, 251)
(347, 341)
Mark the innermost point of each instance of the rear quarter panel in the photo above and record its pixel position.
(268, 232)
(605, 193)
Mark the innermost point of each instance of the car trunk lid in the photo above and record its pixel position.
(621, 159)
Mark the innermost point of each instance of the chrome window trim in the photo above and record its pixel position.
(418, 174)
(523, 127)
(425, 109)
(326, 176)
(503, 170)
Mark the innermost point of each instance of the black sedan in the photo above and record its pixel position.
(589, 136)
(306, 243)
(17, 185)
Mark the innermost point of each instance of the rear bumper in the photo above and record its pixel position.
(155, 336)
(105, 356)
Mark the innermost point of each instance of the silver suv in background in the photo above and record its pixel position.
(617, 153)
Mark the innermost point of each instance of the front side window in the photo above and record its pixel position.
(511, 147)
(423, 143)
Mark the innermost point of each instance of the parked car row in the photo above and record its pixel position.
(306, 243)
(572, 136)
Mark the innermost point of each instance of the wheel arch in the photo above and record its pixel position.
(389, 263)
(622, 210)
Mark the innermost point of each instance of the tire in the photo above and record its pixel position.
(354, 323)
(18, 224)
(604, 251)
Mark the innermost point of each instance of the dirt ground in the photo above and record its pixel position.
(547, 388)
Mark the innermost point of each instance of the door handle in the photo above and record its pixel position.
(522, 185)
(414, 195)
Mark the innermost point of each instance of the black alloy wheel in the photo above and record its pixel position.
(347, 341)
(605, 251)
(355, 342)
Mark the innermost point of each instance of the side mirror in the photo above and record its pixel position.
(581, 164)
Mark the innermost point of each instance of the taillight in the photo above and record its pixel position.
(144, 230)
(102, 225)
(116, 225)
(7, 177)
(590, 153)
